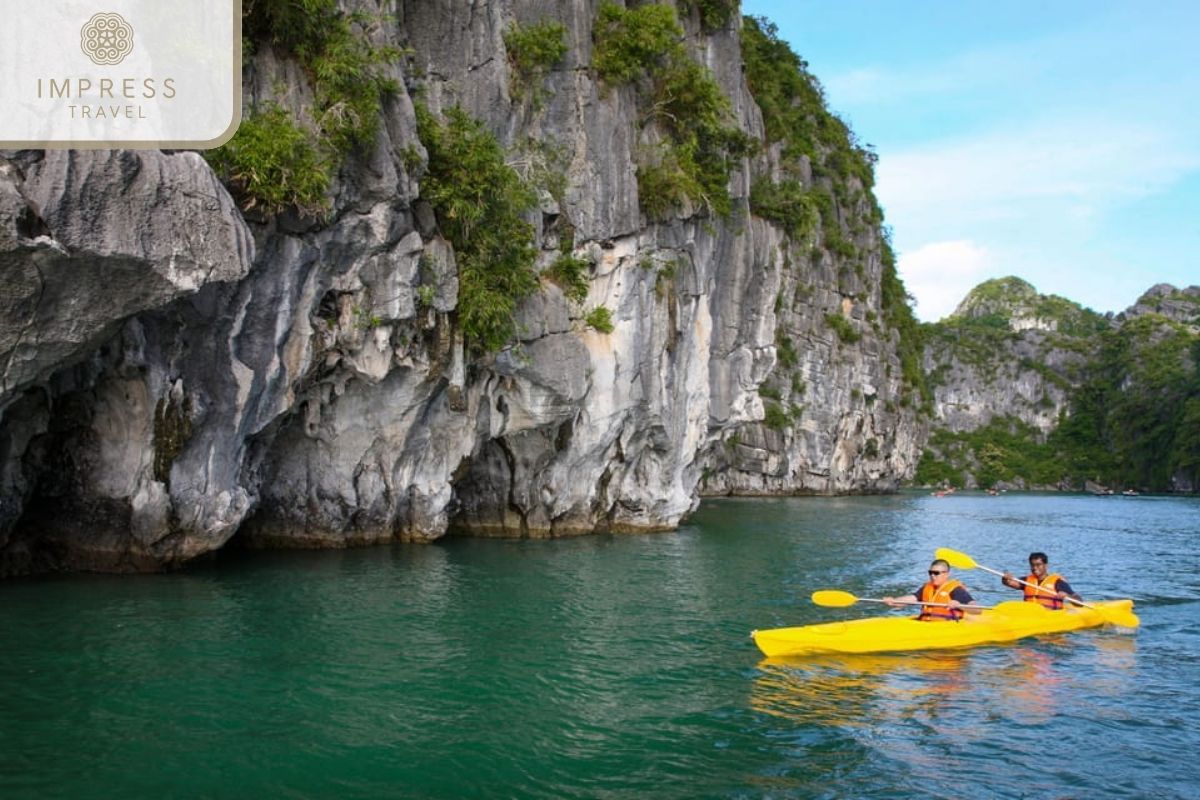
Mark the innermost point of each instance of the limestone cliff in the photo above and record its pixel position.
(180, 372)
(1007, 351)
(1032, 390)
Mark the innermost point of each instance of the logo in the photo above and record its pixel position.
(106, 39)
(74, 78)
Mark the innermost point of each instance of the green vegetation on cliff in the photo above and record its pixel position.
(480, 202)
(571, 274)
(795, 114)
(1133, 392)
(1003, 450)
(1135, 420)
(997, 296)
(600, 318)
(910, 338)
(981, 342)
(1000, 302)
(786, 203)
(990, 322)
(281, 158)
(633, 42)
(1180, 305)
(692, 164)
(714, 14)
(842, 327)
(532, 51)
(793, 106)
(273, 163)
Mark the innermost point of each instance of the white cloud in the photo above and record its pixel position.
(940, 274)
(1057, 174)
(1038, 203)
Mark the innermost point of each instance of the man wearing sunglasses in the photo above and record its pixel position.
(1048, 590)
(946, 598)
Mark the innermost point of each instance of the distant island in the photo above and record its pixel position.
(1035, 391)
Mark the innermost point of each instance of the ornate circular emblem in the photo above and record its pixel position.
(106, 38)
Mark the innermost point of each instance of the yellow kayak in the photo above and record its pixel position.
(1005, 623)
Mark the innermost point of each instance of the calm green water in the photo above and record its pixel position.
(609, 667)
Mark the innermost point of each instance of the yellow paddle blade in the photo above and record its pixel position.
(833, 598)
(954, 558)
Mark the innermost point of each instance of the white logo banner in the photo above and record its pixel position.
(119, 73)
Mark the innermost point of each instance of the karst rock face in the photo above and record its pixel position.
(1013, 362)
(176, 373)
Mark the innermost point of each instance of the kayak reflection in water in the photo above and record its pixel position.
(1048, 590)
(943, 598)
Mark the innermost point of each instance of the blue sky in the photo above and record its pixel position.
(1056, 141)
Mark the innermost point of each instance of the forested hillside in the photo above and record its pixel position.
(1034, 390)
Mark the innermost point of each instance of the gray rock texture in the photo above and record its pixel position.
(88, 242)
(1027, 375)
(176, 379)
(1008, 352)
(88, 239)
(1179, 305)
(1012, 356)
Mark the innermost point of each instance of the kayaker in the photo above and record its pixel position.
(1048, 590)
(951, 596)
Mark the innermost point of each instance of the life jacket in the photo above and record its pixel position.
(930, 594)
(1039, 595)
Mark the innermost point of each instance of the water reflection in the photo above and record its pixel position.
(1029, 683)
(1026, 687)
(1116, 649)
(855, 690)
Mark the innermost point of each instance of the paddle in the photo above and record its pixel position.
(959, 560)
(833, 598)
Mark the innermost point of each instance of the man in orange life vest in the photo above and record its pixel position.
(1048, 590)
(950, 596)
